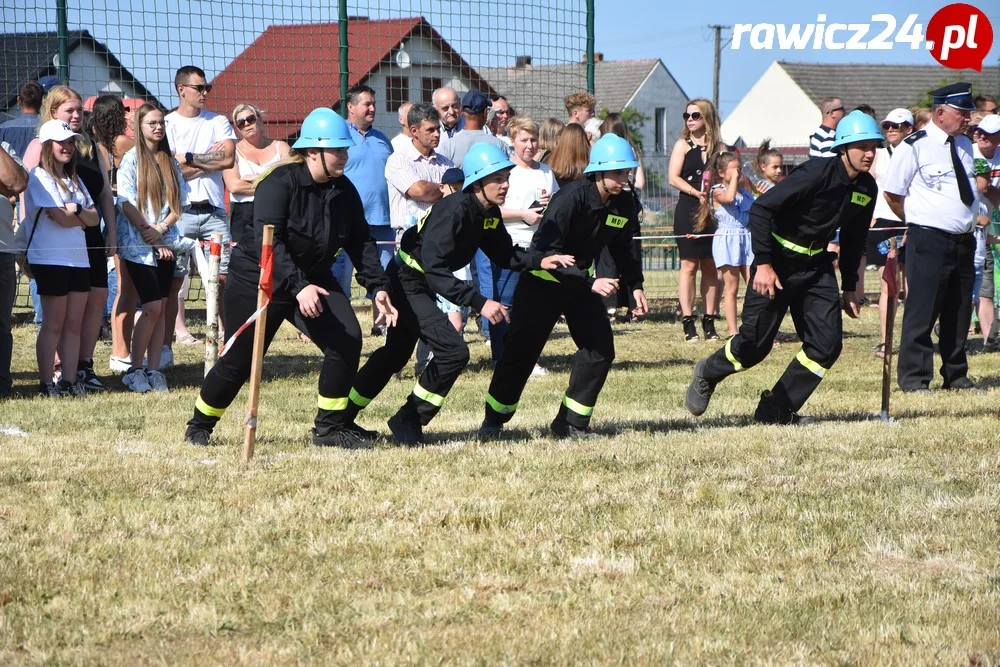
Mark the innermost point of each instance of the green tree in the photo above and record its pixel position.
(634, 121)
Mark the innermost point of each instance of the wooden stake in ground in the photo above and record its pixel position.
(257, 362)
(889, 275)
(212, 302)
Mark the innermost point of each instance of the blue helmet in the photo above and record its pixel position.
(856, 126)
(482, 160)
(610, 153)
(323, 128)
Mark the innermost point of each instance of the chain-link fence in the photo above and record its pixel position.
(287, 58)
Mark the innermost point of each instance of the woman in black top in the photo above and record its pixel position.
(698, 144)
(316, 213)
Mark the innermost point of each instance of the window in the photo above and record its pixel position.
(397, 91)
(660, 130)
(428, 85)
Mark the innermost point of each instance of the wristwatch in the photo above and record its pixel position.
(189, 158)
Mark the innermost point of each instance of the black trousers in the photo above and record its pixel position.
(940, 273)
(419, 319)
(813, 296)
(336, 332)
(538, 304)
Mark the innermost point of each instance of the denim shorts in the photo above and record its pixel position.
(200, 225)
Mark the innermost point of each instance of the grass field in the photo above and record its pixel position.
(668, 540)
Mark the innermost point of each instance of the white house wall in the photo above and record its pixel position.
(774, 107)
(422, 65)
(659, 90)
(89, 74)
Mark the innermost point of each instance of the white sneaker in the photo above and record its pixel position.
(166, 358)
(120, 364)
(538, 371)
(136, 381)
(156, 381)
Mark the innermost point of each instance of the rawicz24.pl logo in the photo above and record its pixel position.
(958, 36)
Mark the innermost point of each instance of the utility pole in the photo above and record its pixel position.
(718, 62)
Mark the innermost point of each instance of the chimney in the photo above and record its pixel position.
(598, 57)
(522, 62)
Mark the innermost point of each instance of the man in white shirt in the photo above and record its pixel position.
(414, 172)
(403, 138)
(931, 187)
(13, 180)
(204, 144)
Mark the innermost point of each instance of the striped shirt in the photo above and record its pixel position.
(404, 168)
(821, 142)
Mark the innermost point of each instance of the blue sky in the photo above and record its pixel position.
(677, 33)
(153, 39)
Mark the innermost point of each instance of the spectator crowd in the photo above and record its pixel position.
(108, 203)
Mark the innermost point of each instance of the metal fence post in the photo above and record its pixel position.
(62, 33)
(590, 46)
(344, 67)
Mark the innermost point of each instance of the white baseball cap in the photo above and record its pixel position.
(56, 130)
(899, 116)
(990, 124)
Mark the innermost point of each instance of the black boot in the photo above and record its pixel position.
(690, 330)
(708, 326)
(199, 429)
(773, 410)
(406, 427)
(563, 429)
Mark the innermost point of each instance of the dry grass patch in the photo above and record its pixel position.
(669, 539)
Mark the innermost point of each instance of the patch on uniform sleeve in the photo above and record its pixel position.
(860, 199)
(616, 221)
(491, 223)
(919, 134)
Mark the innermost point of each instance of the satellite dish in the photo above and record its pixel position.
(402, 59)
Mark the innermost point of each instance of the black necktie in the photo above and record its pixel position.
(964, 189)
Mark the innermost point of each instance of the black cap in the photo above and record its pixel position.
(475, 101)
(452, 175)
(956, 95)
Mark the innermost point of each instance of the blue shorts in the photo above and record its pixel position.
(200, 225)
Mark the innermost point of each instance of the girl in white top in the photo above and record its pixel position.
(255, 154)
(531, 185)
(58, 208)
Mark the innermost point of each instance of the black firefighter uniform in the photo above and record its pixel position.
(444, 241)
(576, 223)
(790, 227)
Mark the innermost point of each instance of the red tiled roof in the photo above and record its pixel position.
(291, 69)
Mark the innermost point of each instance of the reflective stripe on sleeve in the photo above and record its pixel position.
(410, 262)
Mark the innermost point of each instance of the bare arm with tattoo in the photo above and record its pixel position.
(220, 156)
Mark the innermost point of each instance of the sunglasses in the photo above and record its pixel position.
(202, 88)
(891, 126)
(249, 120)
(990, 111)
(840, 109)
(696, 115)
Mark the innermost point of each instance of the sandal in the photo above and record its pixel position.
(880, 351)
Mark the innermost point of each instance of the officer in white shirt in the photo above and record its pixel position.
(931, 187)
